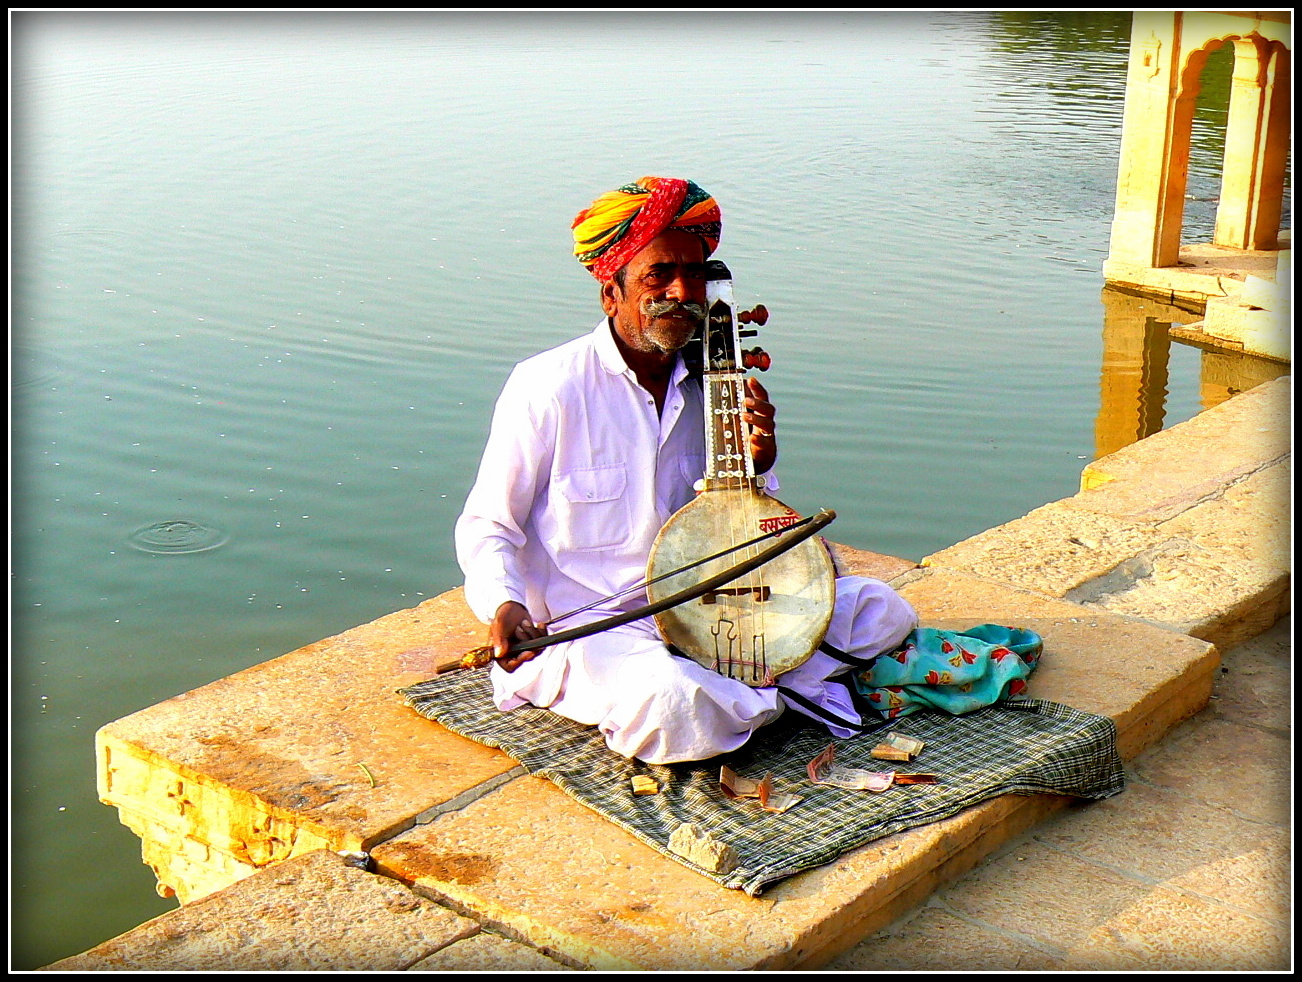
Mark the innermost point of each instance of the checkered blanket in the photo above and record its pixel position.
(1024, 747)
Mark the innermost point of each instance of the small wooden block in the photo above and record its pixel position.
(644, 785)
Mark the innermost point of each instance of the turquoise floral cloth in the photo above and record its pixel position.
(956, 671)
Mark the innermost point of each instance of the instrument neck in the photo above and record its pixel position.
(728, 462)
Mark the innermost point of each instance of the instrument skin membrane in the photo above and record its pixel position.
(774, 618)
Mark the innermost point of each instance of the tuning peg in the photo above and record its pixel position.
(756, 358)
(760, 316)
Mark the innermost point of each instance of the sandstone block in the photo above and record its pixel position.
(1171, 471)
(1161, 835)
(1168, 930)
(1259, 332)
(1146, 678)
(697, 846)
(312, 913)
(1256, 686)
(1051, 550)
(599, 897)
(488, 953)
(939, 941)
(1222, 571)
(311, 749)
(591, 891)
(860, 562)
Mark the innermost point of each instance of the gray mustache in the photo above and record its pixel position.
(660, 308)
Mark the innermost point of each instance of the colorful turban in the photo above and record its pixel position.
(619, 224)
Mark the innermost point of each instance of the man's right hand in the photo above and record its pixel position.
(512, 623)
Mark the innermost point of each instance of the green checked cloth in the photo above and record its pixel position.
(1025, 747)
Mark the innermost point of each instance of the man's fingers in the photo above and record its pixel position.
(512, 662)
(512, 624)
(759, 411)
(528, 630)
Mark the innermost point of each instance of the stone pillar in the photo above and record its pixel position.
(1156, 128)
(1256, 147)
(1168, 50)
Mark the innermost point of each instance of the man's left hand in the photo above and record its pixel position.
(759, 414)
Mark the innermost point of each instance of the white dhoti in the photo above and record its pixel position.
(662, 708)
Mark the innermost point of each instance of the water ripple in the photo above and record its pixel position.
(177, 537)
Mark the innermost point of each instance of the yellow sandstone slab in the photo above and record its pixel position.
(1219, 570)
(1173, 470)
(1189, 529)
(1147, 679)
(313, 749)
(860, 562)
(313, 913)
(530, 862)
(488, 953)
(1052, 550)
(1204, 271)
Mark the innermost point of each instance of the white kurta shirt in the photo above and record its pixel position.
(579, 474)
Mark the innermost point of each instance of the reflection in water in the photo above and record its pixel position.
(1133, 383)
(1227, 373)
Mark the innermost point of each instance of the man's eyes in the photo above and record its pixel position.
(658, 277)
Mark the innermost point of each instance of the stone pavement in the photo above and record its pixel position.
(1189, 870)
(1176, 550)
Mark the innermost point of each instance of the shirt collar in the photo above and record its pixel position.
(613, 362)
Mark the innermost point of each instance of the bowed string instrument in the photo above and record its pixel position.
(736, 580)
(772, 618)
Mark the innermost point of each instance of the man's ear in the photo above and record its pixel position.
(610, 294)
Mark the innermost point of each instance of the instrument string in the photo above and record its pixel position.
(644, 583)
(747, 468)
(732, 421)
(745, 600)
(759, 640)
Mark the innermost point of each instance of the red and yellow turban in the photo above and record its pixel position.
(619, 224)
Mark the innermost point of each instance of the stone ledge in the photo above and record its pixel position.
(859, 562)
(488, 953)
(178, 774)
(1173, 470)
(224, 780)
(311, 913)
(595, 894)
(1184, 832)
(1260, 332)
(1189, 529)
(231, 767)
(1052, 550)
(1204, 271)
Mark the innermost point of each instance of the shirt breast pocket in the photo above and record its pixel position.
(591, 506)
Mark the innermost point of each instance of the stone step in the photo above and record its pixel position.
(1188, 529)
(312, 913)
(533, 864)
(1182, 534)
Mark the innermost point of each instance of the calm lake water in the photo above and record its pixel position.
(270, 272)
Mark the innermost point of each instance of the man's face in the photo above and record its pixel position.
(669, 271)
